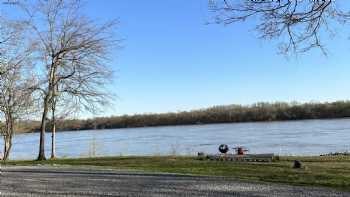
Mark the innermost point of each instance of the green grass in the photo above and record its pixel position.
(317, 171)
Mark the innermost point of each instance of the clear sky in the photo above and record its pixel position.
(172, 61)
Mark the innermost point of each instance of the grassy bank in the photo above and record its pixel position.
(317, 171)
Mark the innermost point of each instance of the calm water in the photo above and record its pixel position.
(311, 137)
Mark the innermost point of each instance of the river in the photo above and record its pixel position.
(308, 137)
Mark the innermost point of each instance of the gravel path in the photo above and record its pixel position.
(68, 181)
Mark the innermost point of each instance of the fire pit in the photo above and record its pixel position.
(223, 148)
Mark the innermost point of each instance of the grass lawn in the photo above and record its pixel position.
(317, 171)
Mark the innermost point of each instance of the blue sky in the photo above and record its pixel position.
(172, 61)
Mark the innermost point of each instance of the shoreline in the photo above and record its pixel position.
(258, 112)
(185, 125)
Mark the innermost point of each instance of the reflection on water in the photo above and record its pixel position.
(311, 137)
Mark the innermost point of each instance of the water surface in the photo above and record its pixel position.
(310, 137)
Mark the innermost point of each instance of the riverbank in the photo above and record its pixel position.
(259, 112)
(328, 171)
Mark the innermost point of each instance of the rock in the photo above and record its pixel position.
(297, 164)
(201, 155)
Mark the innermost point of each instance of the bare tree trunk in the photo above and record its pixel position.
(53, 134)
(47, 100)
(53, 145)
(41, 155)
(7, 147)
(8, 136)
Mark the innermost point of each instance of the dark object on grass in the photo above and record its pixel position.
(268, 157)
(223, 148)
(297, 164)
(201, 155)
(346, 153)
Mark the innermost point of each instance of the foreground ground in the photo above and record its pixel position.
(321, 172)
(316, 171)
(70, 181)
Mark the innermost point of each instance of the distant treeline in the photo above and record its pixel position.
(217, 114)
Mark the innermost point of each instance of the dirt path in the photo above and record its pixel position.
(67, 181)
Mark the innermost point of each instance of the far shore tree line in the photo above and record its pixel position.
(258, 112)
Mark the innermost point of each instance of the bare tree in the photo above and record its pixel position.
(53, 122)
(299, 24)
(73, 53)
(15, 80)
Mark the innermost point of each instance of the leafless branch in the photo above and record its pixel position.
(73, 54)
(298, 24)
